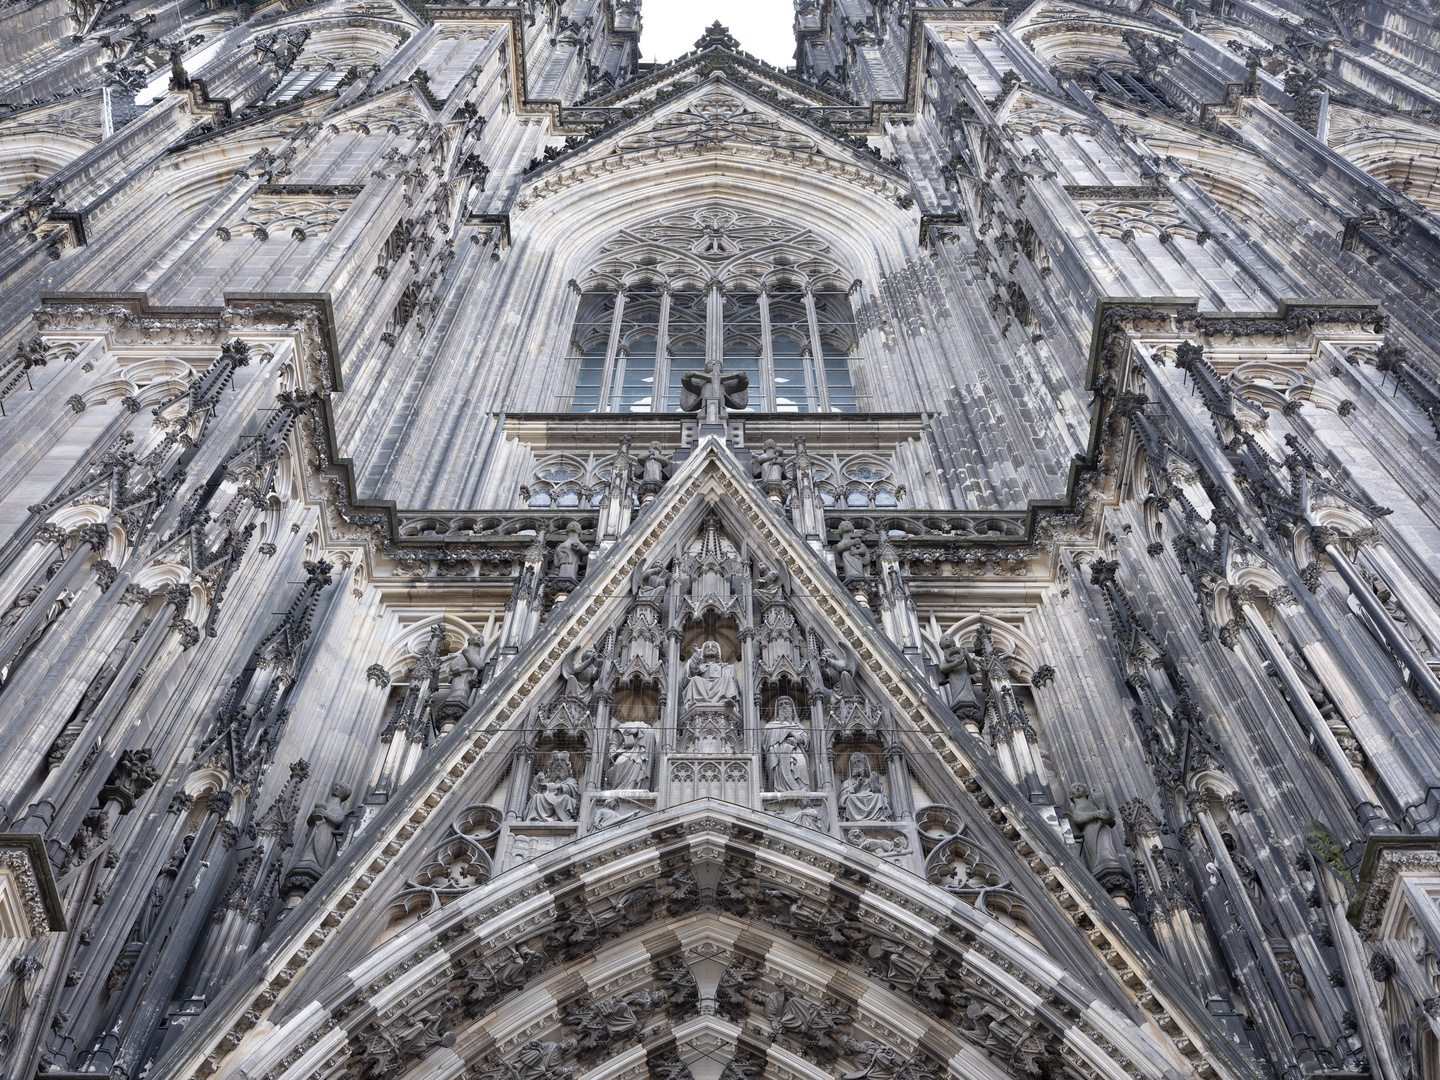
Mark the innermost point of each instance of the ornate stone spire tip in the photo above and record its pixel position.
(717, 34)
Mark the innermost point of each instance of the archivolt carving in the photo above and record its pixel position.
(757, 998)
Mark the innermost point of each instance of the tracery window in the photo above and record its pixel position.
(757, 295)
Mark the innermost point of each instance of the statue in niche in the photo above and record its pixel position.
(709, 681)
(786, 746)
(1250, 881)
(580, 672)
(711, 392)
(1314, 688)
(861, 797)
(769, 585)
(327, 822)
(852, 551)
(622, 472)
(164, 882)
(570, 554)
(1094, 823)
(771, 463)
(631, 749)
(27, 598)
(554, 795)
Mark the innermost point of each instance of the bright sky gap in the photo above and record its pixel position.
(764, 28)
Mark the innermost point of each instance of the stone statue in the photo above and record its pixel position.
(785, 743)
(861, 797)
(619, 1016)
(18, 606)
(622, 471)
(653, 463)
(114, 661)
(809, 814)
(886, 849)
(955, 668)
(709, 681)
(608, 812)
(538, 1060)
(878, 1061)
(1250, 881)
(164, 882)
(554, 796)
(1094, 823)
(840, 674)
(580, 672)
(570, 554)
(416, 1034)
(326, 821)
(769, 585)
(460, 676)
(1314, 688)
(650, 583)
(771, 463)
(711, 392)
(852, 551)
(631, 749)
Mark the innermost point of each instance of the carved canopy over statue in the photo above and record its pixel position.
(711, 392)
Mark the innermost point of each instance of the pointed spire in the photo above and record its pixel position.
(719, 36)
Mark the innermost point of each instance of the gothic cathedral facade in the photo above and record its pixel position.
(518, 563)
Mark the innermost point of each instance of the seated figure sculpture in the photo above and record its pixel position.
(709, 681)
(555, 796)
(709, 701)
(861, 797)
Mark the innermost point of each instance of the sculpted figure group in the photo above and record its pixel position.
(600, 678)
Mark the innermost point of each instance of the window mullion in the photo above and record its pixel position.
(815, 370)
(660, 395)
(714, 330)
(767, 355)
(607, 384)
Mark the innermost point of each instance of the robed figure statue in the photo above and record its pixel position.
(786, 743)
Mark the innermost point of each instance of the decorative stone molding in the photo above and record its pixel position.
(29, 903)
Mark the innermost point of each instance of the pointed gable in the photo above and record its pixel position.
(716, 115)
(496, 863)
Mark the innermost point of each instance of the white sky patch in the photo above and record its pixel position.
(764, 28)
